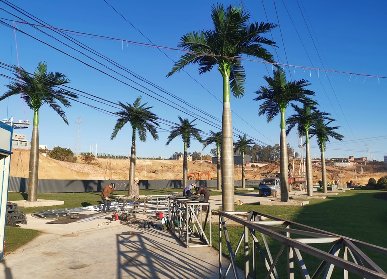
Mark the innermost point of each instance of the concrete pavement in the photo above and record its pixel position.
(97, 248)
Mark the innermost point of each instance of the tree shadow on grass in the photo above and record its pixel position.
(24, 195)
(381, 195)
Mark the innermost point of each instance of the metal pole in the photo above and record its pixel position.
(246, 252)
(220, 245)
(210, 220)
(290, 258)
(186, 223)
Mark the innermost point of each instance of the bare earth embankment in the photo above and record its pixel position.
(166, 169)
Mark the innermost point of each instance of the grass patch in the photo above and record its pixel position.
(16, 237)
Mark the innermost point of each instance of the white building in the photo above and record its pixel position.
(20, 141)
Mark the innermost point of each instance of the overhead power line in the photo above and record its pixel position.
(114, 63)
(295, 66)
(187, 73)
(322, 63)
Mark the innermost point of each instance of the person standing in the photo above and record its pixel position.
(106, 192)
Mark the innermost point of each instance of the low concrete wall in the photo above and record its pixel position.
(18, 184)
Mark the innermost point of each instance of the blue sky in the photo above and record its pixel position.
(348, 36)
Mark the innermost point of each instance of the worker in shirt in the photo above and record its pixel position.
(204, 195)
(187, 192)
(106, 192)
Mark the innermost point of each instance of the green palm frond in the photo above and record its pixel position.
(303, 117)
(119, 125)
(323, 132)
(231, 37)
(40, 88)
(237, 78)
(186, 129)
(242, 143)
(279, 93)
(139, 116)
(214, 137)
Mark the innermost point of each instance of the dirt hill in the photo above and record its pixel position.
(167, 169)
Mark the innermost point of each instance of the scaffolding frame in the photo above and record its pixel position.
(188, 220)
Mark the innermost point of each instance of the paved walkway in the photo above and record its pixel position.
(97, 248)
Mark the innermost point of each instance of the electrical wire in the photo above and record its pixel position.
(189, 75)
(322, 63)
(121, 81)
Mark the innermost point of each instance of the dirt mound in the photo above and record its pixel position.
(169, 169)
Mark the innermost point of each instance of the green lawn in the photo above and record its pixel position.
(358, 214)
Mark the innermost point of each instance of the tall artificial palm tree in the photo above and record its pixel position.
(37, 89)
(321, 129)
(142, 120)
(217, 139)
(276, 97)
(223, 46)
(303, 118)
(186, 130)
(241, 146)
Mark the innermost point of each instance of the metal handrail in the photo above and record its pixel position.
(282, 231)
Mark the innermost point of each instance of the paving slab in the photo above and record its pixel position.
(97, 248)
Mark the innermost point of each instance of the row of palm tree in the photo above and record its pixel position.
(223, 46)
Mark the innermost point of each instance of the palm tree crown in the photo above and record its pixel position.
(185, 129)
(242, 144)
(140, 118)
(41, 88)
(280, 92)
(214, 137)
(323, 132)
(304, 117)
(231, 37)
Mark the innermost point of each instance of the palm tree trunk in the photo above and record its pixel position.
(323, 170)
(185, 165)
(243, 171)
(218, 168)
(133, 187)
(33, 176)
(283, 160)
(227, 147)
(309, 174)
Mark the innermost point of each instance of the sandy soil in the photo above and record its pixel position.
(167, 169)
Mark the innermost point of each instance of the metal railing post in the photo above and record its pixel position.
(220, 246)
(290, 265)
(187, 224)
(246, 252)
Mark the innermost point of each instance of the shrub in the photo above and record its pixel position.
(62, 154)
(88, 157)
(383, 181)
(371, 181)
